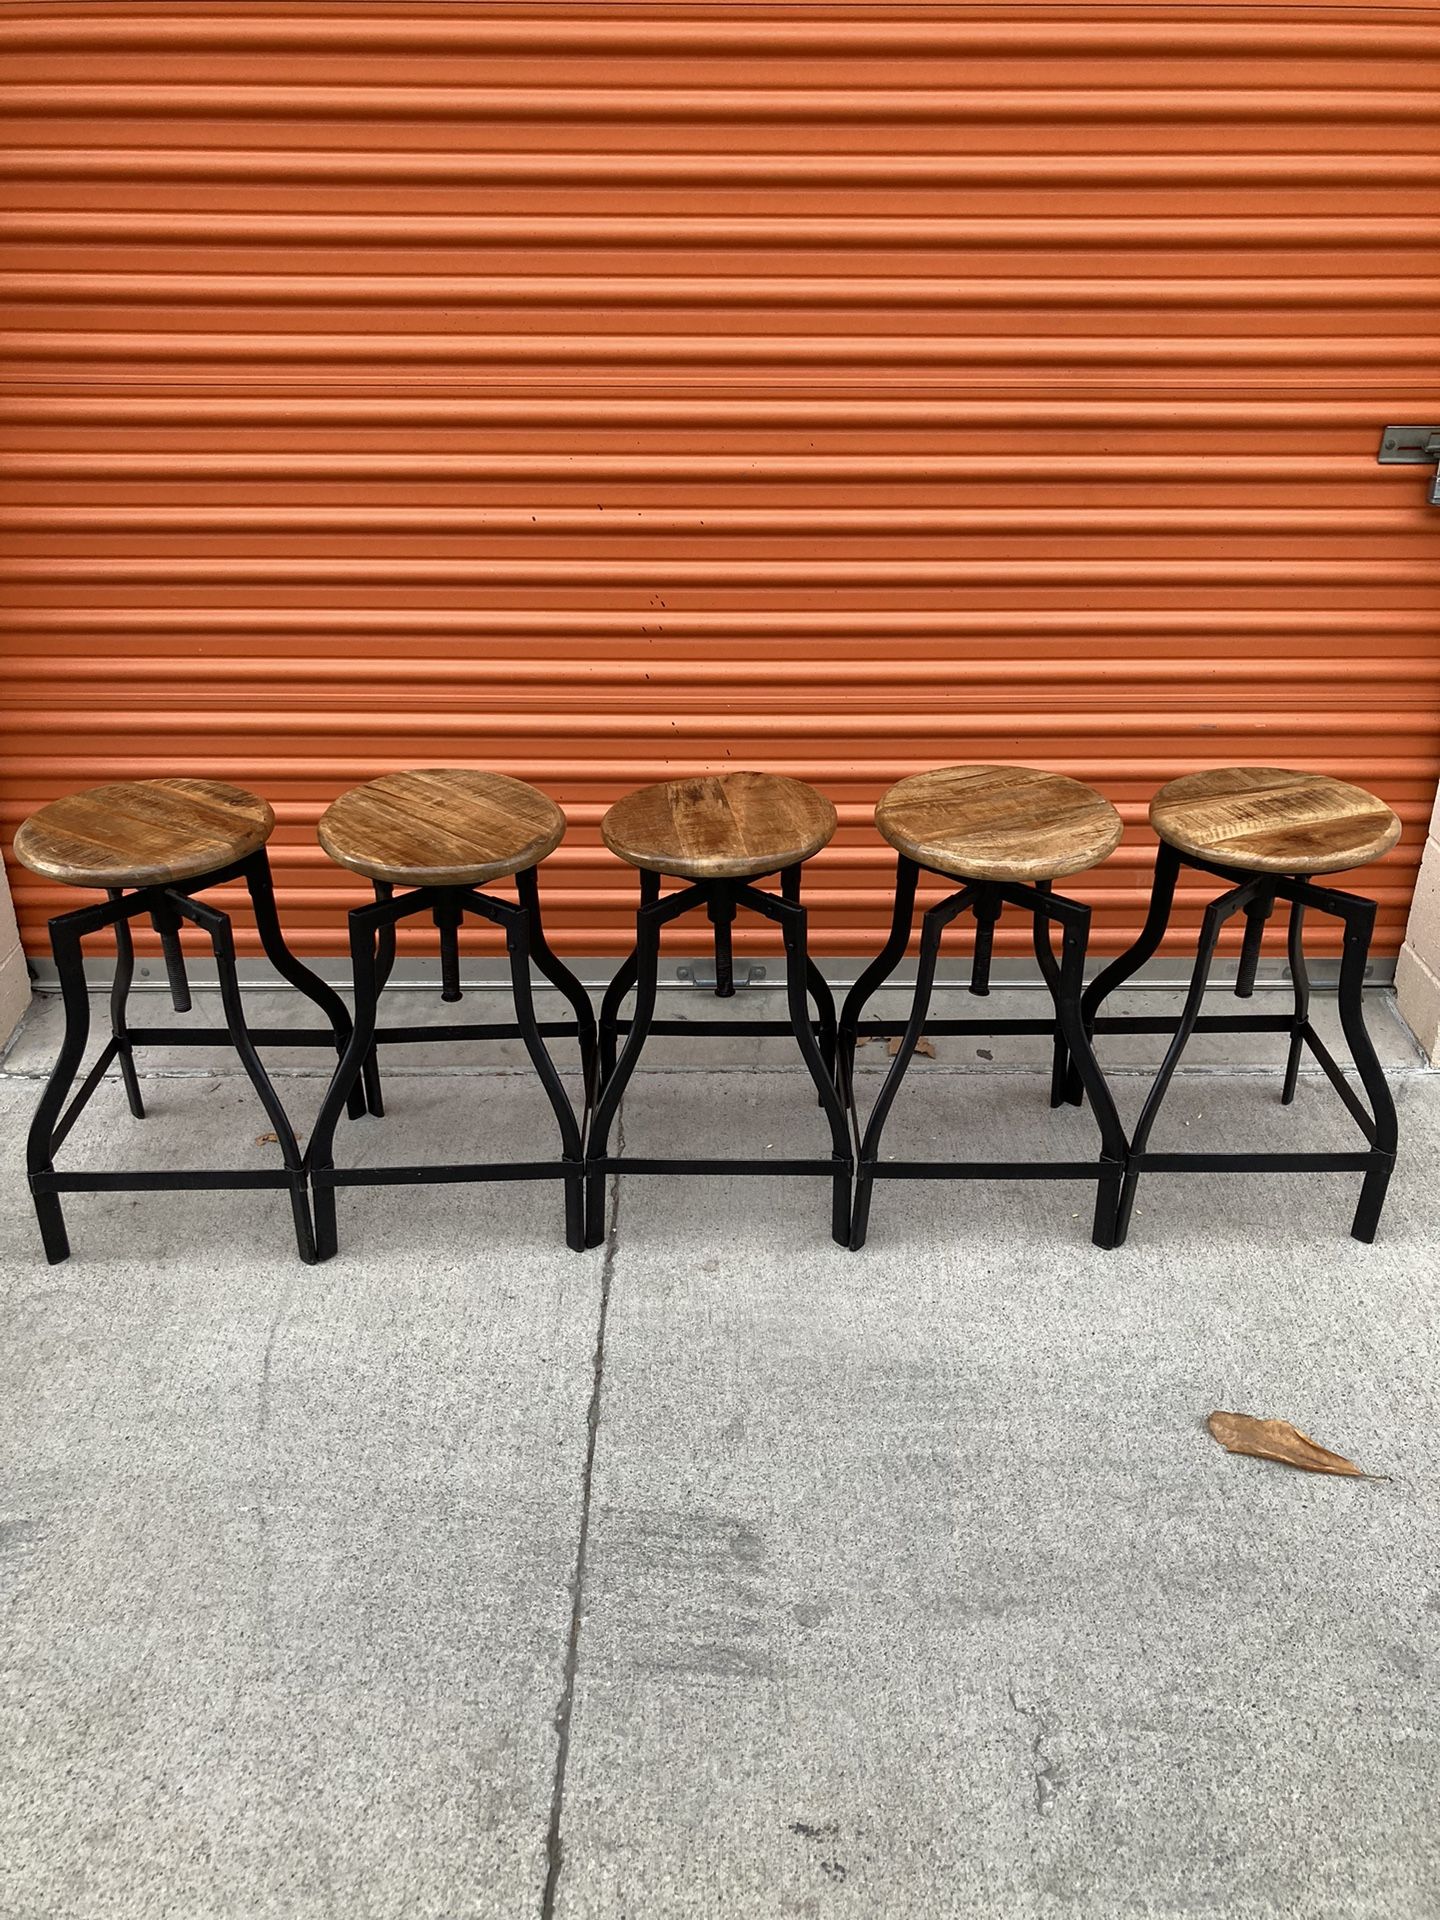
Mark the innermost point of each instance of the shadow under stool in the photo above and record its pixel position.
(1263, 833)
(1006, 834)
(151, 846)
(447, 834)
(720, 833)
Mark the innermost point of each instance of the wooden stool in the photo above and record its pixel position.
(1006, 833)
(150, 846)
(1260, 830)
(720, 832)
(445, 833)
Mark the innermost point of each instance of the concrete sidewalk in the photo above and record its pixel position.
(719, 1572)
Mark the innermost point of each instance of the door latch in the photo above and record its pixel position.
(1413, 447)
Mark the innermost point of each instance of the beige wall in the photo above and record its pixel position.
(14, 975)
(1417, 971)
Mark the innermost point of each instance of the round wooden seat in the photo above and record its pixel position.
(1272, 820)
(143, 833)
(441, 827)
(998, 823)
(723, 826)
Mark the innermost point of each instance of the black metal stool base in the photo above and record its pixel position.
(1255, 896)
(168, 908)
(985, 900)
(372, 953)
(816, 1038)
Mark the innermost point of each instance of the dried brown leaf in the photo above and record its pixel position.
(922, 1045)
(1278, 1440)
(267, 1139)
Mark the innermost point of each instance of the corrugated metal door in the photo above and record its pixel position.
(601, 391)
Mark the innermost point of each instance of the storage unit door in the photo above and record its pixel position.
(600, 392)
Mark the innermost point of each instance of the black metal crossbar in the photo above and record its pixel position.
(164, 1180)
(441, 1174)
(764, 1165)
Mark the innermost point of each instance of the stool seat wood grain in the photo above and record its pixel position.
(143, 833)
(441, 827)
(998, 823)
(725, 826)
(1273, 820)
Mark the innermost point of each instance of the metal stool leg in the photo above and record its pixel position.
(260, 885)
(1359, 926)
(644, 968)
(902, 919)
(1300, 979)
(560, 976)
(826, 1038)
(817, 985)
(621, 981)
(119, 995)
(931, 928)
(320, 1157)
(1074, 1044)
(1162, 901)
(384, 961)
(519, 931)
(222, 943)
(1050, 970)
(1216, 915)
(47, 1129)
(798, 971)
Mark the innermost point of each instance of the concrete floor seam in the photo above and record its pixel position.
(263, 1544)
(554, 1842)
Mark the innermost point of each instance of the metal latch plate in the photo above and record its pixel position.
(1412, 447)
(1409, 446)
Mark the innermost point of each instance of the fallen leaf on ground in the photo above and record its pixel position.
(1278, 1440)
(922, 1045)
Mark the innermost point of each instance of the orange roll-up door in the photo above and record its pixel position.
(598, 392)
